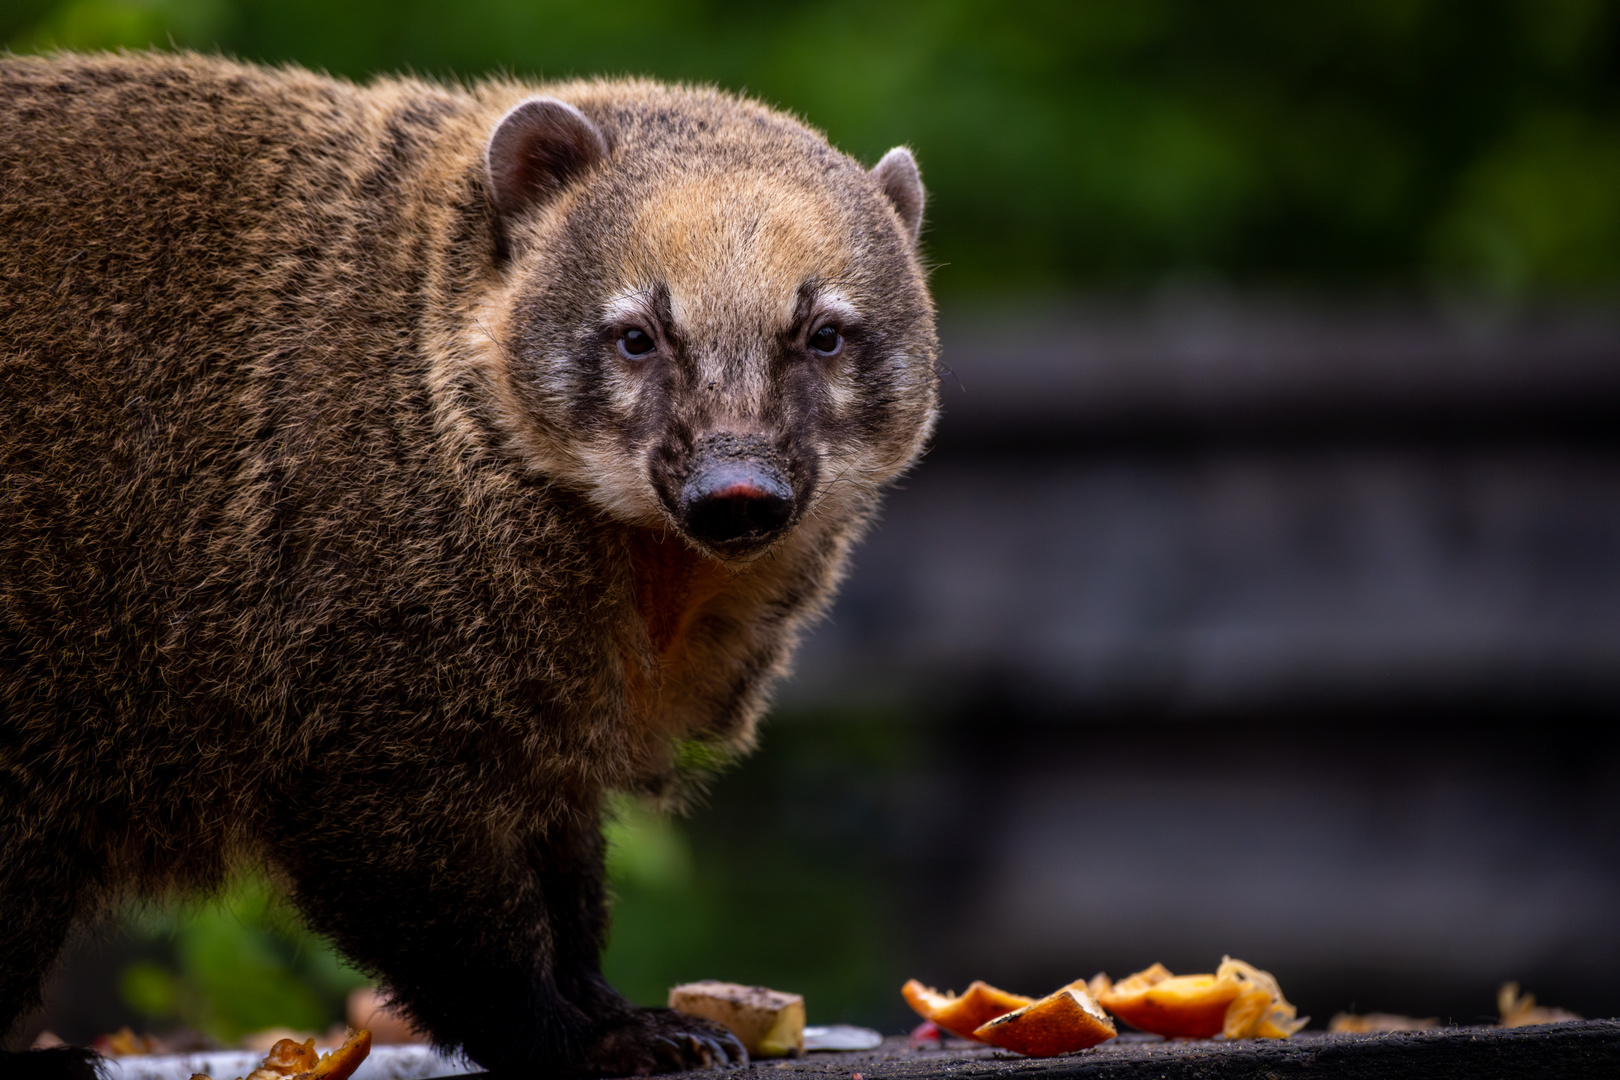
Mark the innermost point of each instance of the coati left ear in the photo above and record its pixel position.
(536, 149)
(897, 175)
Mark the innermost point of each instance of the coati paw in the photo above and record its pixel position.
(650, 1041)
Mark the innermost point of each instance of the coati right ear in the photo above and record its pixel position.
(897, 175)
(536, 149)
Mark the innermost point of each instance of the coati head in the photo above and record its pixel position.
(712, 321)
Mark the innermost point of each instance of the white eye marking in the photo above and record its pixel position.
(830, 314)
(833, 306)
(633, 315)
(631, 306)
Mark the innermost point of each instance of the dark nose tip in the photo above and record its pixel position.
(736, 500)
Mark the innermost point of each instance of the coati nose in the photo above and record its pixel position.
(734, 500)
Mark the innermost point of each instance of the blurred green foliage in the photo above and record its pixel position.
(777, 880)
(1468, 145)
(232, 965)
(764, 885)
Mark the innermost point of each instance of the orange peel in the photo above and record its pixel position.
(978, 1005)
(1059, 1023)
(1238, 1001)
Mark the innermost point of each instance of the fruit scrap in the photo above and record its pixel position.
(1059, 1023)
(961, 1016)
(1067, 1020)
(1521, 1010)
(925, 1032)
(125, 1042)
(292, 1060)
(1239, 1001)
(1175, 1006)
(769, 1023)
(1261, 1011)
(1376, 1023)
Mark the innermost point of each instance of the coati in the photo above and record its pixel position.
(389, 472)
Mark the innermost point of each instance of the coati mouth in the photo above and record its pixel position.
(735, 499)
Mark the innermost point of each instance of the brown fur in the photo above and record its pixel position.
(336, 537)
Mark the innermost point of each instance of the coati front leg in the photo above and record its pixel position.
(45, 880)
(490, 947)
(626, 1039)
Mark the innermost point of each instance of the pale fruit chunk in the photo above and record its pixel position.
(769, 1023)
(978, 1005)
(1059, 1023)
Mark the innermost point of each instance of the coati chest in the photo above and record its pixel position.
(673, 587)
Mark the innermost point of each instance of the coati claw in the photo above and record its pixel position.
(660, 1041)
(715, 1053)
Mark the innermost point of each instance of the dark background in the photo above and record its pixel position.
(1261, 594)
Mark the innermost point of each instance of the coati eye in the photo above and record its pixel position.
(634, 343)
(827, 341)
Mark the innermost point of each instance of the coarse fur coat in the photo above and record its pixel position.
(389, 472)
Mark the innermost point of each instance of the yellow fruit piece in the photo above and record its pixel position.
(1265, 1013)
(1247, 1013)
(769, 1023)
(1521, 1010)
(1059, 1023)
(290, 1059)
(978, 1005)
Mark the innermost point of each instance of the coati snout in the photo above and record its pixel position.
(735, 498)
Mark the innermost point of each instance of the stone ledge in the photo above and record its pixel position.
(1569, 1051)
